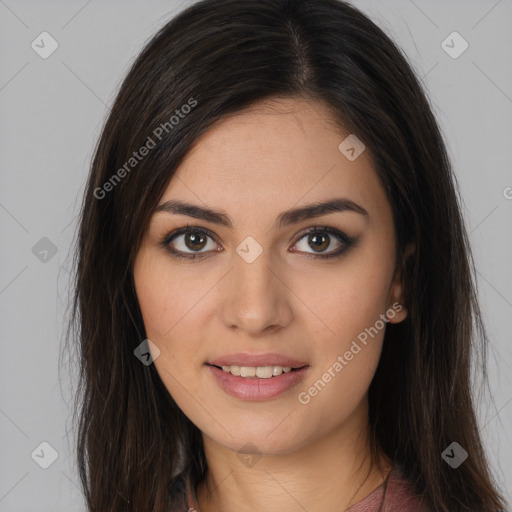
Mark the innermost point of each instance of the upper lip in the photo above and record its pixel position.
(269, 359)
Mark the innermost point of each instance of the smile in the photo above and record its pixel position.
(258, 372)
(257, 382)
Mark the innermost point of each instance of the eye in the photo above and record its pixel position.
(321, 238)
(192, 242)
(194, 239)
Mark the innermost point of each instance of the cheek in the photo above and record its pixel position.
(346, 360)
(170, 304)
(349, 330)
(165, 318)
(165, 297)
(343, 302)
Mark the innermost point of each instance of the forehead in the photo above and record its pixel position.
(278, 153)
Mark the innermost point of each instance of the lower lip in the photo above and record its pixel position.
(247, 388)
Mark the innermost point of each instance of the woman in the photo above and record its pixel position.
(274, 296)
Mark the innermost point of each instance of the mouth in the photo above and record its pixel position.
(257, 382)
(257, 372)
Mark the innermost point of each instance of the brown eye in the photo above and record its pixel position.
(190, 243)
(318, 242)
(184, 242)
(319, 239)
(195, 241)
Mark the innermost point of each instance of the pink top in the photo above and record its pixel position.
(393, 495)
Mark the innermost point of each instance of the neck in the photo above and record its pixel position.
(328, 475)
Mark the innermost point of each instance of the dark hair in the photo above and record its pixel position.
(220, 57)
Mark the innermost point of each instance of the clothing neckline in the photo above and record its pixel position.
(382, 488)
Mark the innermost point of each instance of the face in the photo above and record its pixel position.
(254, 288)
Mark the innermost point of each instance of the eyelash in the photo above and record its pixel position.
(347, 241)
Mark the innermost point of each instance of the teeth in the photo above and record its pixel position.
(262, 372)
(247, 371)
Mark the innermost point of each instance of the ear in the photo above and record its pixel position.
(397, 309)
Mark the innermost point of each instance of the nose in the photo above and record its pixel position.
(255, 298)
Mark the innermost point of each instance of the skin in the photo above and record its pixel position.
(254, 165)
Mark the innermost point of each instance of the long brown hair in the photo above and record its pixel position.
(219, 57)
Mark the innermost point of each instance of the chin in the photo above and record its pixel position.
(260, 442)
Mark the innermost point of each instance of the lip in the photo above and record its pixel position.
(253, 388)
(268, 359)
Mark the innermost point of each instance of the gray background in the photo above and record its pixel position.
(51, 114)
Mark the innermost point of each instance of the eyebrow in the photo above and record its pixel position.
(284, 219)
